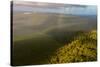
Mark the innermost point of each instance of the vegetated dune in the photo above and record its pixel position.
(80, 46)
(82, 49)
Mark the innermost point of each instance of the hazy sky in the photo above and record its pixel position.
(69, 9)
(89, 10)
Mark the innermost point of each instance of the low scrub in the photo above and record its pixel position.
(83, 48)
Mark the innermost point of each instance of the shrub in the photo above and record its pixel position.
(82, 49)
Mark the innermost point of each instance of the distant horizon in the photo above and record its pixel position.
(59, 8)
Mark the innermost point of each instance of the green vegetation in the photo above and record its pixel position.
(48, 38)
(55, 47)
(82, 49)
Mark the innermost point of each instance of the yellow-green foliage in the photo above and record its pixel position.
(83, 48)
(76, 46)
